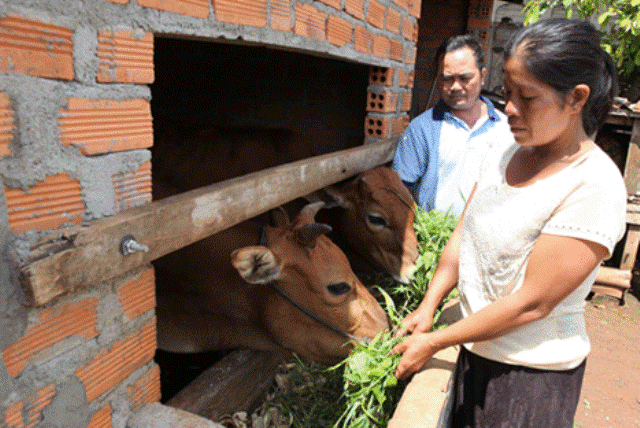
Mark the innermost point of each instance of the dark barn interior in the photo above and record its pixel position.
(224, 110)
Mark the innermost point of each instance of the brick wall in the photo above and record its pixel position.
(76, 130)
(441, 19)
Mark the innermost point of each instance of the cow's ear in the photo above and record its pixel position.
(256, 264)
(279, 217)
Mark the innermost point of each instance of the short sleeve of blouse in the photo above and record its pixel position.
(595, 210)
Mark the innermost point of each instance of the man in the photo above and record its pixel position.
(440, 154)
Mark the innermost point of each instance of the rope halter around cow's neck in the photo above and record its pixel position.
(301, 308)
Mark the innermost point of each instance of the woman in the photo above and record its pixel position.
(541, 218)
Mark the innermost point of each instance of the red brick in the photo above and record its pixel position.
(241, 12)
(132, 188)
(35, 48)
(195, 8)
(404, 79)
(399, 124)
(101, 418)
(125, 58)
(381, 76)
(409, 30)
(406, 102)
(404, 4)
(137, 296)
(414, 8)
(478, 23)
(338, 31)
(310, 22)
(112, 366)
(55, 324)
(410, 55)
(7, 125)
(146, 389)
(28, 413)
(393, 20)
(376, 127)
(13, 415)
(333, 3)
(380, 46)
(375, 16)
(103, 126)
(281, 15)
(384, 102)
(395, 50)
(47, 205)
(355, 8)
(363, 39)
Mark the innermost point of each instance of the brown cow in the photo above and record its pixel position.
(375, 219)
(224, 306)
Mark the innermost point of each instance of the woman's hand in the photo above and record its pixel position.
(418, 321)
(416, 349)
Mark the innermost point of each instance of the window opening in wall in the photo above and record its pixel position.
(224, 110)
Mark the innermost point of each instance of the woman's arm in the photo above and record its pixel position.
(557, 266)
(445, 278)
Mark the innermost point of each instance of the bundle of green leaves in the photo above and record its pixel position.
(361, 391)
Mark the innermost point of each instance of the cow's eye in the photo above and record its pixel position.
(339, 288)
(377, 220)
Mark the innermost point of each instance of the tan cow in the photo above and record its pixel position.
(375, 219)
(224, 306)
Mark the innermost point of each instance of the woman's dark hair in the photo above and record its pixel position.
(462, 41)
(563, 53)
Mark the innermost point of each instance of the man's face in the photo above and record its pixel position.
(460, 79)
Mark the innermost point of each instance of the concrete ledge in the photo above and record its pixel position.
(156, 415)
(424, 403)
(424, 397)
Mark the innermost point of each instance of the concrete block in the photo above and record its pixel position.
(156, 415)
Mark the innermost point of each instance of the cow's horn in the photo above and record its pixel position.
(308, 233)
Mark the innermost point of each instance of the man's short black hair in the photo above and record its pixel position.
(462, 41)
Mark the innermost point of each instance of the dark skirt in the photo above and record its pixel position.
(489, 394)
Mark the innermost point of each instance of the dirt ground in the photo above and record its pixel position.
(611, 389)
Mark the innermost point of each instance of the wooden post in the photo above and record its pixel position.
(84, 256)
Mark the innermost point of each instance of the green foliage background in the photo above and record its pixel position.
(619, 22)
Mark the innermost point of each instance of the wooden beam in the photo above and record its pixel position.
(80, 257)
(632, 165)
(238, 382)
